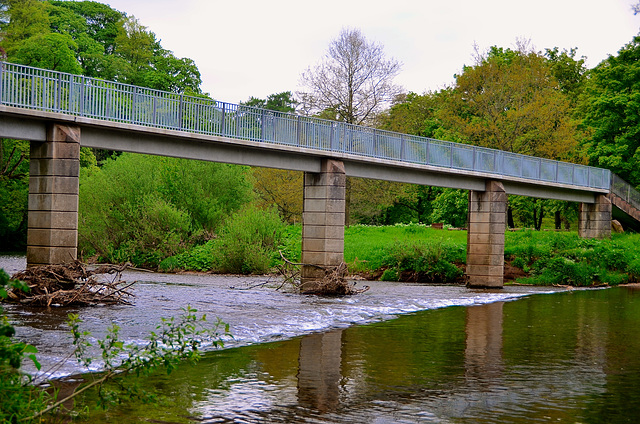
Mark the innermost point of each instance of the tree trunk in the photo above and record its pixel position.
(558, 220)
(510, 222)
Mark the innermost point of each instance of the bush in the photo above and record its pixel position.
(431, 261)
(246, 245)
(18, 399)
(144, 209)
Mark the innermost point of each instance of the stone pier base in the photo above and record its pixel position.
(52, 235)
(594, 220)
(322, 221)
(485, 238)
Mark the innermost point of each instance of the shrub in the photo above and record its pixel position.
(248, 240)
(247, 244)
(430, 260)
(143, 209)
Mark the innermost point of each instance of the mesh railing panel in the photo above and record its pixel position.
(38, 89)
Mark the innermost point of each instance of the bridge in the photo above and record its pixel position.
(60, 112)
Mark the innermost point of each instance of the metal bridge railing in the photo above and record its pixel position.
(32, 88)
(625, 191)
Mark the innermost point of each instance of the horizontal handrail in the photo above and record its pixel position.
(39, 89)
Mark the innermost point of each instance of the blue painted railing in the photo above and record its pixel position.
(32, 88)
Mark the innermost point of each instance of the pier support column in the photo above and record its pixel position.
(594, 220)
(323, 221)
(485, 237)
(52, 234)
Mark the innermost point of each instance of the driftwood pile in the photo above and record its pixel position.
(333, 283)
(71, 284)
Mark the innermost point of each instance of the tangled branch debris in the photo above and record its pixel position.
(333, 283)
(72, 284)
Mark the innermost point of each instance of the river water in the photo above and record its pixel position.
(399, 353)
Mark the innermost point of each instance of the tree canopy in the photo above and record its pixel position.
(611, 110)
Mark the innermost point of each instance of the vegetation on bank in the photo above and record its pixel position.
(420, 253)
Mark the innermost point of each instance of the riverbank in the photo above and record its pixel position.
(420, 253)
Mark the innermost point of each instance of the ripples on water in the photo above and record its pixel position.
(398, 353)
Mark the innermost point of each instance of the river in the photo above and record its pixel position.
(399, 353)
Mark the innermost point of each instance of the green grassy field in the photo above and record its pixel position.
(545, 257)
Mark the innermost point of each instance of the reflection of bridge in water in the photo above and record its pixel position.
(59, 113)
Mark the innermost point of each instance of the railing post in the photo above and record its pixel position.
(82, 90)
(299, 131)
(263, 116)
(222, 129)
(451, 155)
(1, 85)
(154, 112)
(58, 94)
(402, 147)
(375, 143)
(332, 137)
(134, 98)
(181, 112)
(427, 153)
(473, 162)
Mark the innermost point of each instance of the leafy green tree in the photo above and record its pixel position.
(510, 100)
(610, 108)
(280, 102)
(103, 23)
(18, 399)
(451, 207)
(570, 72)
(143, 209)
(25, 19)
(14, 194)
(49, 51)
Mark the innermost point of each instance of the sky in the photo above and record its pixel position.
(246, 48)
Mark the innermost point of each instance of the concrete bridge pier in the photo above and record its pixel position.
(52, 233)
(594, 220)
(323, 215)
(485, 236)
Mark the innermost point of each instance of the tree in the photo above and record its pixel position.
(353, 82)
(610, 108)
(510, 100)
(281, 102)
(49, 51)
(23, 20)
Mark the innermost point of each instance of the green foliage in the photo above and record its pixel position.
(143, 209)
(247, 244)
(18, 399)
(564, 258)
(14, 194)
(432, 261)
(49, 51)
(451, 207)
(611, 110)
(281, 102)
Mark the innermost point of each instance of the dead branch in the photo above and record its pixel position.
(71, 284)
(333, 283)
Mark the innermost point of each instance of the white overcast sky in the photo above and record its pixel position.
(255, 48)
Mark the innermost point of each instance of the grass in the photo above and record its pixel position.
(546, 257)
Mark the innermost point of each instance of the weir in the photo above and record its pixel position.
(60, 112)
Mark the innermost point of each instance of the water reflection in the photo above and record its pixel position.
(483, 352)
(320, 371)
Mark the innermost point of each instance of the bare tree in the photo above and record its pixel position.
(352, 82)
(636, 8)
